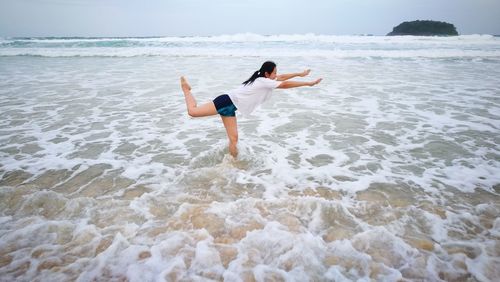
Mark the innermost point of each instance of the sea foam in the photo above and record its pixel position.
(387, 170)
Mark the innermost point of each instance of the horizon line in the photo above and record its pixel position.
(230, 34)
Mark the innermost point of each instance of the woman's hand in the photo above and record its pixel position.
(312, 83)
(305, 73)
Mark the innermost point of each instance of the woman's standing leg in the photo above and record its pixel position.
(204, 110)
(232, 133)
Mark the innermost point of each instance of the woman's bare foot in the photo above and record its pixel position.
(185, 85)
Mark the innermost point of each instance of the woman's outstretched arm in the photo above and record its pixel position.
(286, 76)
(293, 84)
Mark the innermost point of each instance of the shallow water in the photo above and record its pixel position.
(387, 170)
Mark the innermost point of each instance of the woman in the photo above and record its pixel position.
(254, 91)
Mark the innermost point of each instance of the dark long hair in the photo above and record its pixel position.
(266, 67)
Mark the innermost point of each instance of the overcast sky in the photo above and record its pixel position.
(215, 17)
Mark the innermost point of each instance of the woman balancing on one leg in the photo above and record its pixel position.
(256, 90)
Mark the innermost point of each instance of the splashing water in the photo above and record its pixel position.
(387, 170)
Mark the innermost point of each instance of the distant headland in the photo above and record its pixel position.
(424, 28)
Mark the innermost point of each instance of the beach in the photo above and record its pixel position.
(388, 170)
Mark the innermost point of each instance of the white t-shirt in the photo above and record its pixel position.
(248, 97)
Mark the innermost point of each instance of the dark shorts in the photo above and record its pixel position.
(225, 106)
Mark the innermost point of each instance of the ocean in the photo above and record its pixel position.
(388, 170)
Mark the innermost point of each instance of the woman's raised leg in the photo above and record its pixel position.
(204, 110)
(232, 133)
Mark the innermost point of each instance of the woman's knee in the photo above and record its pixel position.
(233, 138)
(193, 112)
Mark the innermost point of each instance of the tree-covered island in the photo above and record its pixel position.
(424, 28)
